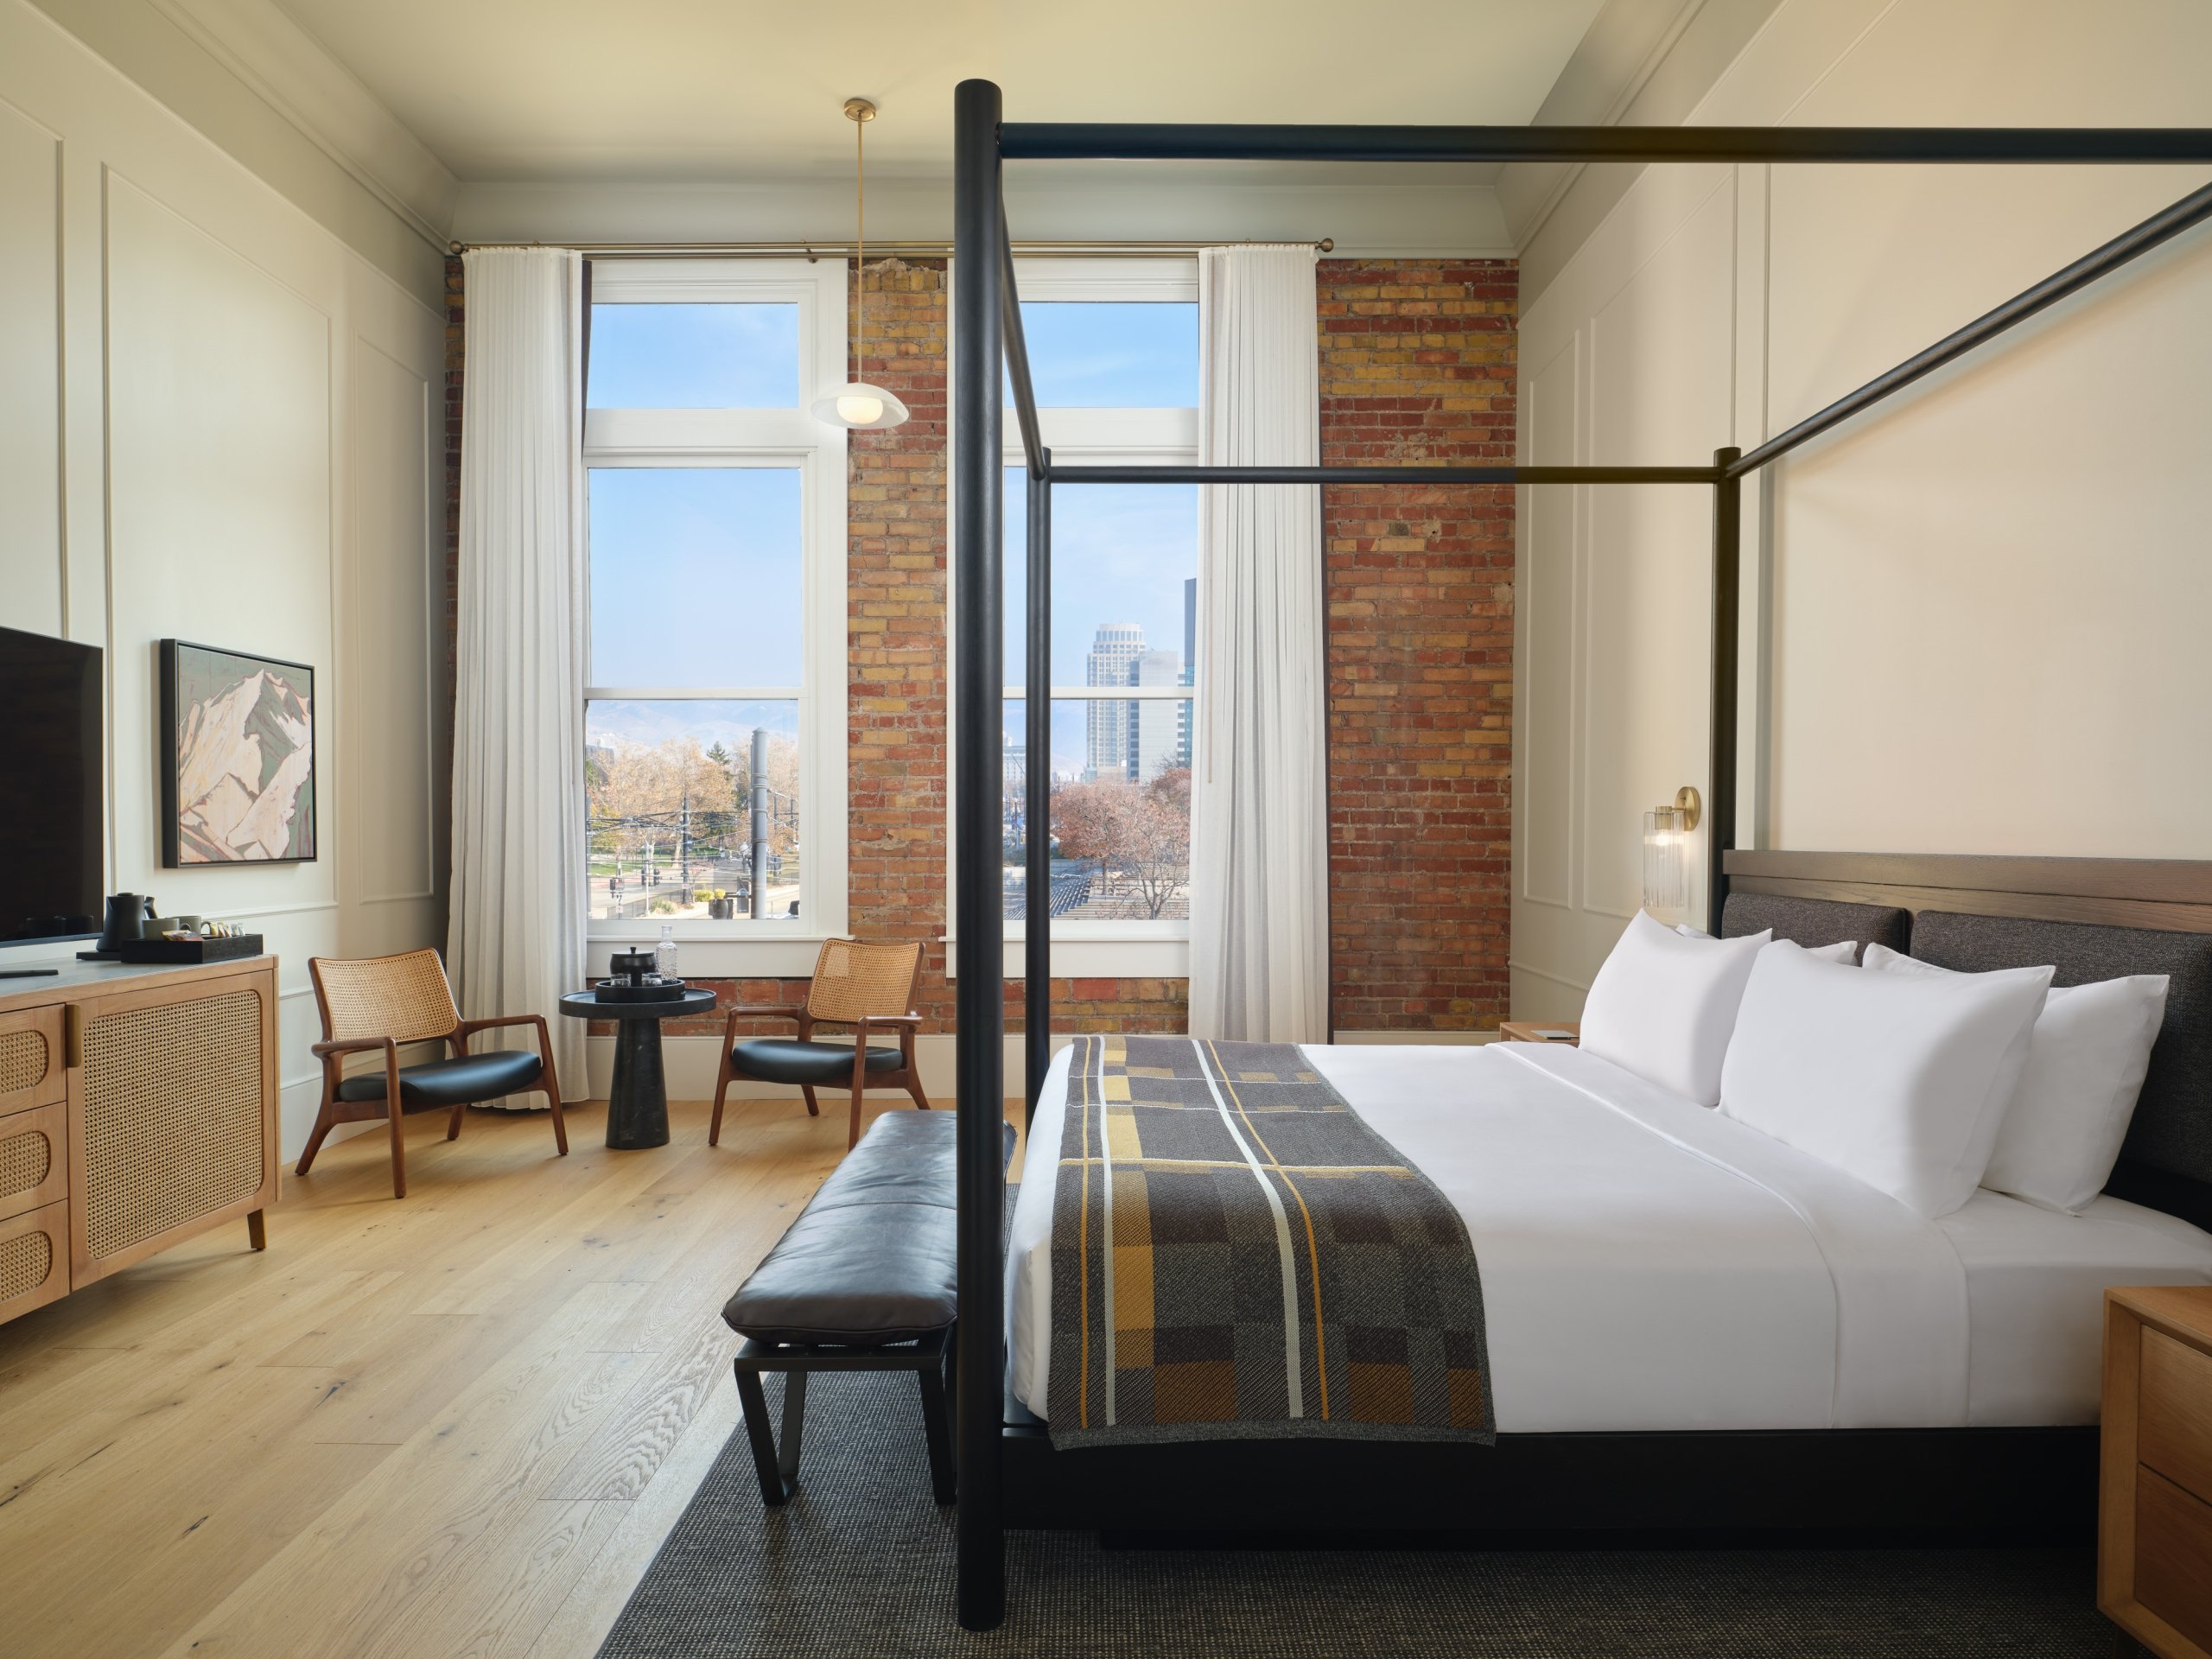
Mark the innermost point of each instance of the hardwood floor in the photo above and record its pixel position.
(455, 1423)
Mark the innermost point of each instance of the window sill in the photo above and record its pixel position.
(1094, 958)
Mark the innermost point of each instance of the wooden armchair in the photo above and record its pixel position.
(865, 987)
(375, 1004)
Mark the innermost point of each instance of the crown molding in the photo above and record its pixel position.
(1437, 220)
(293, 73)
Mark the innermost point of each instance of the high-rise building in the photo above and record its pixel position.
(1190, 669)
(1155, 731)
(1106, 724)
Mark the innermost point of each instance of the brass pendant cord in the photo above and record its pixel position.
(860, 246)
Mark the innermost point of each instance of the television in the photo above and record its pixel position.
(50, 824)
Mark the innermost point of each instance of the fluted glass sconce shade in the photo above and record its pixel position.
(1667, 854)
(1666, 861)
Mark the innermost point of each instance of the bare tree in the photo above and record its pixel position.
(1139, 834)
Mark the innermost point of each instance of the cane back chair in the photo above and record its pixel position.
(865, 987)
(375, 1004)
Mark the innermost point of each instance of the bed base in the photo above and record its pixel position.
(1866, 1485)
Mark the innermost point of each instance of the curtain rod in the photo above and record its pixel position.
(841, 250)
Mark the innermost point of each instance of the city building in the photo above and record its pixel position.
(1190, 669)
(1156, 727)
(1106, 725)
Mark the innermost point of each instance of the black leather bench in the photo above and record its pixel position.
(862, 1280)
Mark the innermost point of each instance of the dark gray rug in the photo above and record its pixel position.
(859, 1561)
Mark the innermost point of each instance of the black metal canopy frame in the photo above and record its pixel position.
(987, 332)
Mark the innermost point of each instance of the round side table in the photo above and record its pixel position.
(637, 1104)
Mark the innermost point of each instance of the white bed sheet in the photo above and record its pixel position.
(1649, 1264)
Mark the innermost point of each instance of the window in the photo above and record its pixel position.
(714, 719)
(1113, 354)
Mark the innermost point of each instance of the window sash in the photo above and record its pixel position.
(771, 438)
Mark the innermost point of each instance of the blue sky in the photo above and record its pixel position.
(695, 571)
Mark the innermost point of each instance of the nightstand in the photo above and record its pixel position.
(1530, 1031)
(2154, 1504)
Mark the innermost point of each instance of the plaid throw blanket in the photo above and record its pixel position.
(1237, 1255)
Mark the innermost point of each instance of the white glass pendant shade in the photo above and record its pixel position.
(860, 406)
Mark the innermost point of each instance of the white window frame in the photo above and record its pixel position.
(769, 438)
(1146, 437)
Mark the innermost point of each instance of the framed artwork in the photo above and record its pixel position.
(238, 758)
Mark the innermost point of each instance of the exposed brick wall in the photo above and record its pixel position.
(1418, 364)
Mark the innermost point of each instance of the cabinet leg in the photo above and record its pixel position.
(256, 1229)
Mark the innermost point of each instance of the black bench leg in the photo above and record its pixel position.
(936, 1427)
(778, 1473)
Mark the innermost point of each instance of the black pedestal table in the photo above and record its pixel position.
(637, 1104)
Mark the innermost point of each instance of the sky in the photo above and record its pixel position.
(695, 571)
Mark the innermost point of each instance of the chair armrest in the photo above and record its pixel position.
(887, 1021)
(352, 1045)
(467, 1027)
(458, 1036)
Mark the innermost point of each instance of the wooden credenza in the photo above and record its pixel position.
(138, 1108)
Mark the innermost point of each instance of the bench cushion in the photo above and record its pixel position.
(871, 1260)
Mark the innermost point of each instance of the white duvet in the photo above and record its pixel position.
(1649, 1264)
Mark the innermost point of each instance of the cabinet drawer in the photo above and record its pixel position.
(34, 1260)
(31, 1073)
(34, 1159)
(2173, 1541)
(2174, 1435)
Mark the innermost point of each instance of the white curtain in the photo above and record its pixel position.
(516, 942)
(1259, 819)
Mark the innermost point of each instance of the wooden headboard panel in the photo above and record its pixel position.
(2164, 893)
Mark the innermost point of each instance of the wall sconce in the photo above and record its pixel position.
(1666, 853)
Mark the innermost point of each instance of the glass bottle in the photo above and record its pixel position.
(664, 952)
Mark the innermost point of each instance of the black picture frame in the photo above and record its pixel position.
(195, 846)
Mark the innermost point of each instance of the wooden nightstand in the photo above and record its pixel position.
(1526, 1031)
(2154, 1506)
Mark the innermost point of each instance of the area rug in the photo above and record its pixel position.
(859, 1561)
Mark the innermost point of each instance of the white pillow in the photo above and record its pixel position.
(1662, 1006)
(1898, 1079)
(2087, 1056)
(1841, 950)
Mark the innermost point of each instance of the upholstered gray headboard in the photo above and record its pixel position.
(2172, 1130)
(1814, 921)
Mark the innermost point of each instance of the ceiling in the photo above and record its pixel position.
(688, 91)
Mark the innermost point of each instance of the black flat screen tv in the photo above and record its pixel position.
(50, 819)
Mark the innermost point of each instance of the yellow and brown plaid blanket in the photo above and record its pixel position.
(1237, 1255)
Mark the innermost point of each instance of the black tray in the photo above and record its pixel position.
(239, 944)
(614, 990)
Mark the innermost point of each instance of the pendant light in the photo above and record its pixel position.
(860, 405)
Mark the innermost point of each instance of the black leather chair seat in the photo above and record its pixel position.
(452, 1082)
(871, 1260)
(785, 1059)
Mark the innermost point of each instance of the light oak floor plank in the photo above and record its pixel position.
(457, 1423)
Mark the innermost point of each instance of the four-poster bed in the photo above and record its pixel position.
(1732, 1477)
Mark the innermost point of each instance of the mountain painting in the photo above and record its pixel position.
(237, 762)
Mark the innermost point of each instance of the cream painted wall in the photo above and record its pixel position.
(222, 425)
(1985, 602)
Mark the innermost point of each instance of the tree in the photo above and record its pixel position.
(1138, 834)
